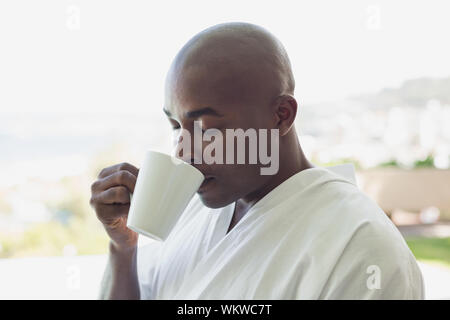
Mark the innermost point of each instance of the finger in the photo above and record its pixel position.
(110, 212)
(119, 178)
(118, 167)
(114, 195)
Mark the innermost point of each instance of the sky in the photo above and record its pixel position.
(112, 56)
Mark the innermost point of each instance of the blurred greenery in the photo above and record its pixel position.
(50, 238)
(433, 250)
(428, 162)
(338, 162)
(390, 163)
(73, 225)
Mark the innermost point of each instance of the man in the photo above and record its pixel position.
(303, 232)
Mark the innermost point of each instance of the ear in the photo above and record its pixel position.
(285, 108)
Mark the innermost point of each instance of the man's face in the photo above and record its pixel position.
(222, 101)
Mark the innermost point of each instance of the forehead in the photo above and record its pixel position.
(222, 87)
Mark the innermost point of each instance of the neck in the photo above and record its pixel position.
(289, 166)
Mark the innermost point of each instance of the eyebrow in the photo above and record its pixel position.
(197, 113)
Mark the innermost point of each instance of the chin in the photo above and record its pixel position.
(214, 201)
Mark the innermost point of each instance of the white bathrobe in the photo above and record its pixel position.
(315, 236)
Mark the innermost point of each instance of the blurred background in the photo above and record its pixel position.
(81, 88)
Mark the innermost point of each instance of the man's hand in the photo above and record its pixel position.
(110, 198)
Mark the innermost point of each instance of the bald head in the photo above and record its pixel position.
(239, 61)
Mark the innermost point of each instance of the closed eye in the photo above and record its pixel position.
(175, 124)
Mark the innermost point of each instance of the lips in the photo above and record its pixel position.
(205, 184)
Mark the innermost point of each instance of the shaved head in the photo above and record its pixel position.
(229, 76)
(240, 61)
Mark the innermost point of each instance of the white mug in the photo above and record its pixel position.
(164, 187)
